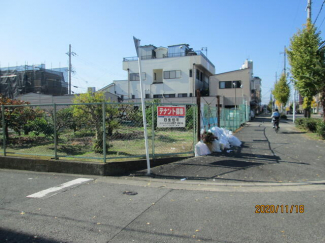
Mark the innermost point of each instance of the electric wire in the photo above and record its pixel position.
(319, 11)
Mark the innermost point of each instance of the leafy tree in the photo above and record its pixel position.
(15, 116)
(281, 90)
(92, 115)
(307, 60)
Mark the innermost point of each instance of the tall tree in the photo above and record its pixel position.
(281, 90)
(306, 57)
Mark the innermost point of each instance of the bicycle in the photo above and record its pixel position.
(276, 125)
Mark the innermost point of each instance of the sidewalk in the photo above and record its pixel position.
(265, 157)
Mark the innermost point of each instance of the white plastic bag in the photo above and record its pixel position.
(234, 141)
(215, 146)
(224, 141)
(201, 149)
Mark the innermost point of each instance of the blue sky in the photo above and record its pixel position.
(101, 33)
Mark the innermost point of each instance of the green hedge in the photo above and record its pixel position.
(312, 124)
(321, 129)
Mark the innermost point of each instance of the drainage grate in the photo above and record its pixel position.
(130, 193)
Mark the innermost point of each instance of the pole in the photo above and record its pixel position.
(309, 10)
(198, 102)
(3, 129)
(70, 69)
(137, 45)
(294, 106)
(104, 130)
(55, 133)
(218, 110)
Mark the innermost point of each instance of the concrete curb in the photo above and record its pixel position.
(83, 168)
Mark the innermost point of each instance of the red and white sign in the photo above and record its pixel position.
(171, 116)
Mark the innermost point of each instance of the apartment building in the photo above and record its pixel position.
(176, 71)
(237, 87)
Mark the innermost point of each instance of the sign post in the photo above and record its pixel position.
(137, 44)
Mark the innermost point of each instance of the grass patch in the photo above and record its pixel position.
(125, 143)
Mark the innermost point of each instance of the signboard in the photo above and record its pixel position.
(171, 116)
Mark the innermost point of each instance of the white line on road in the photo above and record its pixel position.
(58, 188)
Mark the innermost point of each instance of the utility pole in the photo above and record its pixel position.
(309, 9)
(284, 61)
(70, 66)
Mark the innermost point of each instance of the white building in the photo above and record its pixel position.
(173, 72)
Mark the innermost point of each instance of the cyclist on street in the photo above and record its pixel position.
(276, 117)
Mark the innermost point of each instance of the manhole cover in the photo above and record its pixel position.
(130, 193)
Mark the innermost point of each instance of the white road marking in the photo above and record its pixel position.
(58, 188)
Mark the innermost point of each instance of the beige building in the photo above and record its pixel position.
(237, 87)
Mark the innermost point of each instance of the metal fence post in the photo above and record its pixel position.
(3, 129)
(153, 130)
(194, 127)
(104, 131)
(55, 133)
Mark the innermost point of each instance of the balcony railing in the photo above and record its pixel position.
(193, 53)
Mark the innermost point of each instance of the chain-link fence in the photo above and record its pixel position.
(230, 119)
(93, 132)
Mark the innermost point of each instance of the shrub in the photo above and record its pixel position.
(310, 124)
(299, 122)
(320, 129)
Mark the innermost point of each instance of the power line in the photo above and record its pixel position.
(319, 12)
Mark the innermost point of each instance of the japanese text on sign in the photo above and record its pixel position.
(171, 116)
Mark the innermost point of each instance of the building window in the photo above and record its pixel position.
(229, 84)
(133, 96)
(182, 95)
(197, 74)
(122, 97)
(191, 73)
(236, 84)
(155, 76)
(157, 96)
(147, 96)
(169, 95)
(135, 76)
(172, 74)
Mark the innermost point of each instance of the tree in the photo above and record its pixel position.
(16, 117)
(306, 57)
(91, 115)
(281, 90)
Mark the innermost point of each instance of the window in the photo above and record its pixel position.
(190, 74)
(182, 95)
(229, 84)
(147, 96)
(155, 76)
(133, 96)
(169, 95)
(172, 74)
(135, 76)
(157, 96)
(197, 74)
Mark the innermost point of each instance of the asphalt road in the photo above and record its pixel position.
(265, 156)
(219, 201)
(160, 211)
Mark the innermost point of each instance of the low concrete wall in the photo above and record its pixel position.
(72, 167)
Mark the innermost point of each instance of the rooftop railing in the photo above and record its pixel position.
(193, 53)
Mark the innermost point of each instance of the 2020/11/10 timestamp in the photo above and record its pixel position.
(279, 208)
